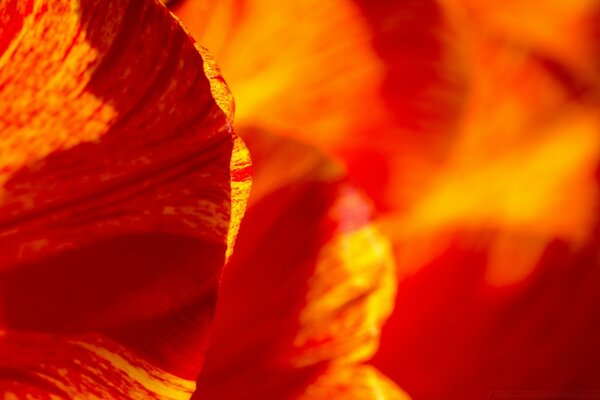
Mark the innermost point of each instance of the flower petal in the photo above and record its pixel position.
(361, 383)
(310, 283)
(121, 182)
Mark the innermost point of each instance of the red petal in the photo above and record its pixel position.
(456, 336)
(309, 285)
(121, 182)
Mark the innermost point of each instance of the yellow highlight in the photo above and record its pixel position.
(350, 296)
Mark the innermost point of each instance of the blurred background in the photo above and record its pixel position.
(473, 126)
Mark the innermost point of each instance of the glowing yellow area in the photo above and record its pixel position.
(544, 192)
(544, 189)
(522, 156)
(350, 296)
(241, 181)
(304, 68)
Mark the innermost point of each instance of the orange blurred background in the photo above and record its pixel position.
(473, 126)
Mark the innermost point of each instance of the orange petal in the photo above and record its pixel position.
(269, 51)
(121, 182)
(524, 152)
(309, 285)
(506, 233)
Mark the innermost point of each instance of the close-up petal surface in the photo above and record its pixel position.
(121, 188)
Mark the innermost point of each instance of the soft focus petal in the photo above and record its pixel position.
(121, 189)
(284, 66)
(308, 288)
(461, 106)
(506, 236)
(525, 149)
(361, 80)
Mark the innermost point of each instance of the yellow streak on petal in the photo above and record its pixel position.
(351, 294)
(218, 87)
(151, 379)
(353, 383)
(241, 183)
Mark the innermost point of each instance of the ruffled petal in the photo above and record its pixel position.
(309, 286)
(121, 186)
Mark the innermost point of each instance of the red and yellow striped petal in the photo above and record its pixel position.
(121, 189)
(44, 366)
